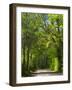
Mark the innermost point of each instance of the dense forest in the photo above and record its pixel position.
(42, 42)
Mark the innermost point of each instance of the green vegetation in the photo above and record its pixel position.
(42, 42)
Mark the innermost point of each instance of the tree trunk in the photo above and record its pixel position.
(28, 51)
(60, 60)
(31, 56)
(23, 64)
(24, 56)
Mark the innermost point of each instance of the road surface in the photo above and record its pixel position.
(45, 72)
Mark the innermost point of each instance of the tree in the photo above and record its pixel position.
(42, 42)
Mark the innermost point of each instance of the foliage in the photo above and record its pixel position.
(42, 42)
